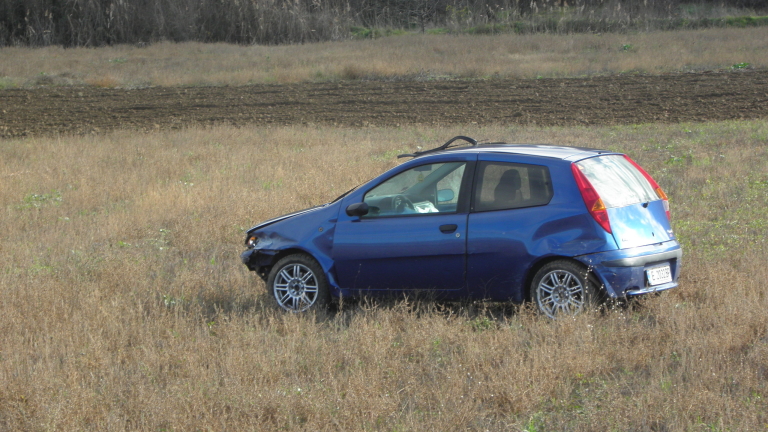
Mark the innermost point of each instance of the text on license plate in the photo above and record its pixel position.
(659, 275)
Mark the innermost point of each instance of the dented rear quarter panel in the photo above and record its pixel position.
(506, 246)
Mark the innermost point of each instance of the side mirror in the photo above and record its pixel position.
(357, 209)
(444, 195)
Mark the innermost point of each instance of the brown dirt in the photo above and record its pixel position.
(688, 97)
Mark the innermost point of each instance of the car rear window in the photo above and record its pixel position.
(617, 181)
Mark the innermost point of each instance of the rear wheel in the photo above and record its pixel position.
(563, 288)
(297, 283)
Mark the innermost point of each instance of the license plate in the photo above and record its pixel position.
(659, 275)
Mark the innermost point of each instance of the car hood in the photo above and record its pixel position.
(286, 216)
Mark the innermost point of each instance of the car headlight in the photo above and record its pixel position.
(252, 241)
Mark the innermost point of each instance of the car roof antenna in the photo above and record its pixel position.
(442, 147)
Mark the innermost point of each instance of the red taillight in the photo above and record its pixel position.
(591, 198)
(659, 191)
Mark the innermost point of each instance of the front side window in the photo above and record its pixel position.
(431, 188)
(503, 186)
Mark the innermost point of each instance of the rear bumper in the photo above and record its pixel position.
(623, 272)
(648, 290)
(643, 260)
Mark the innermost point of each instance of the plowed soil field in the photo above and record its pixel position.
(624, 99)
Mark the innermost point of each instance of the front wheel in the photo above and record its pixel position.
(298, 283)
(563, 288)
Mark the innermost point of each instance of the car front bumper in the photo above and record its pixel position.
(258, 260)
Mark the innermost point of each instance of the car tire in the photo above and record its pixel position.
(564, 288)
(298, 283)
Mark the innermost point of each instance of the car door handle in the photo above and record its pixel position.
(449, 228)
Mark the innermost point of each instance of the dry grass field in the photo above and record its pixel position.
(410, 57)
(123, 304)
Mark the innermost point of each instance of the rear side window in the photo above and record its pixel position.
(617, 181)
(502, 186)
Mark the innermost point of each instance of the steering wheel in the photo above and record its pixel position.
(400, 202)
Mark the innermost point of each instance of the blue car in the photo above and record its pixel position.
(563, 227)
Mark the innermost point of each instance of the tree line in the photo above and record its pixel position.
(104, 22)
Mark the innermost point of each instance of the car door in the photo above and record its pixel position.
(414, 236)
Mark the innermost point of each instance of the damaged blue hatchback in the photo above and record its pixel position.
(563, 227)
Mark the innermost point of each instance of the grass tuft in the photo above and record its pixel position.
(103, 82)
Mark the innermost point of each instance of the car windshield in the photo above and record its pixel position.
(617, 181)
(345, 193)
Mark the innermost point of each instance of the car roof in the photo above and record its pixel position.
(541, 150)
